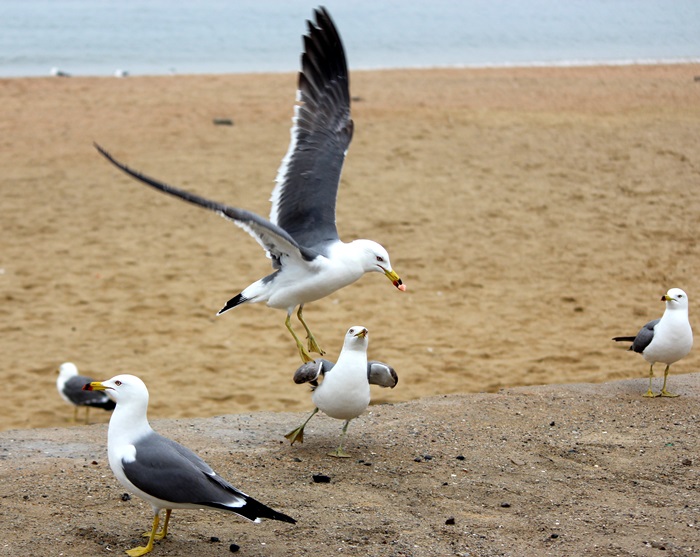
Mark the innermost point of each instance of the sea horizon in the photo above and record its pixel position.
(161, 37)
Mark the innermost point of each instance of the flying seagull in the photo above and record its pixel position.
(161, 471)
(344, 391)
(664, 340)
(301, 239)
(70, 387)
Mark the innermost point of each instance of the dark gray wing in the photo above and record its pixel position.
(167, 470)
(73, 389)
(304, 199)
(643, 338)
(310, 371)
(271, 237)
(379, 373)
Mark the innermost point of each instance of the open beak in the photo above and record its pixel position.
(362, 333)
(395, 279)
(94, 386)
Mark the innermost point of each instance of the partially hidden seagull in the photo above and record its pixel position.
(161, 471)
(664, 340)
(309, 259)
(344, 391)
(70, 387)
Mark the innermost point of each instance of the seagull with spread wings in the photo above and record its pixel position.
(309, 259)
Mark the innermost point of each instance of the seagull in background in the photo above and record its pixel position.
(664, 340)
(301, 239)
(344, 391)
(70, 387)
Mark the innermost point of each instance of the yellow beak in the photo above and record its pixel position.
(395, 279)
(362, 333)
(94, 386)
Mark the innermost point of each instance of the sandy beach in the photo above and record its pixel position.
(581, 469)
(533, 213)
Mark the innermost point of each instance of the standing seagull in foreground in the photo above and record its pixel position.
(161, 471)
(301, 237)
(344, 393)
(665, 340)
(70, 387)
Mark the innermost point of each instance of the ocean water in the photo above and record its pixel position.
(98, 37)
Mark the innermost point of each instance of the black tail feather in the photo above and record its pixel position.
(624, 339)
(237, 300)
(254, 510)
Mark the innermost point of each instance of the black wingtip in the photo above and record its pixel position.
(237, 300)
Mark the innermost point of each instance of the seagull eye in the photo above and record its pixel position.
(380, 259)
(117, 383)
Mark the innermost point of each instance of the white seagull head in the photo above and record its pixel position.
(357, 338)
(374, 258)
(675, 299)
(125, 390)
(67, 370)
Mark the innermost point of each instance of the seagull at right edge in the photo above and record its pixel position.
(309, 259)
(664, 340)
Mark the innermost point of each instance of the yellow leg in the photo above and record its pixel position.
(142, 550)
(87, 415)
(75, 414)
(339, 452)
(313, 345)
(302, 351)
(664, 392)
(650, 393)
(164, 530)
(298, 433)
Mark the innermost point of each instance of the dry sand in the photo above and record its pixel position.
(533, 214)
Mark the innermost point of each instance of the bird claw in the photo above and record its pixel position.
(313, 345)
(158, 536)
(296, 435)
(339, 453)
(665, 393)
(138, 551)
(304, 355)
(649, 394)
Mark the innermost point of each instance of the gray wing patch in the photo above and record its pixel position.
(310, 371)
(73, 389)
(379, 373)
(167, 470)
(644, 336)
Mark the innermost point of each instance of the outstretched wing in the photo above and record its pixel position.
(304, 199)
(271, 237)
(379, 373)
(311, 371)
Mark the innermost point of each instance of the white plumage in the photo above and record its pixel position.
(162, 472)
(665, 340)
(344, 391)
